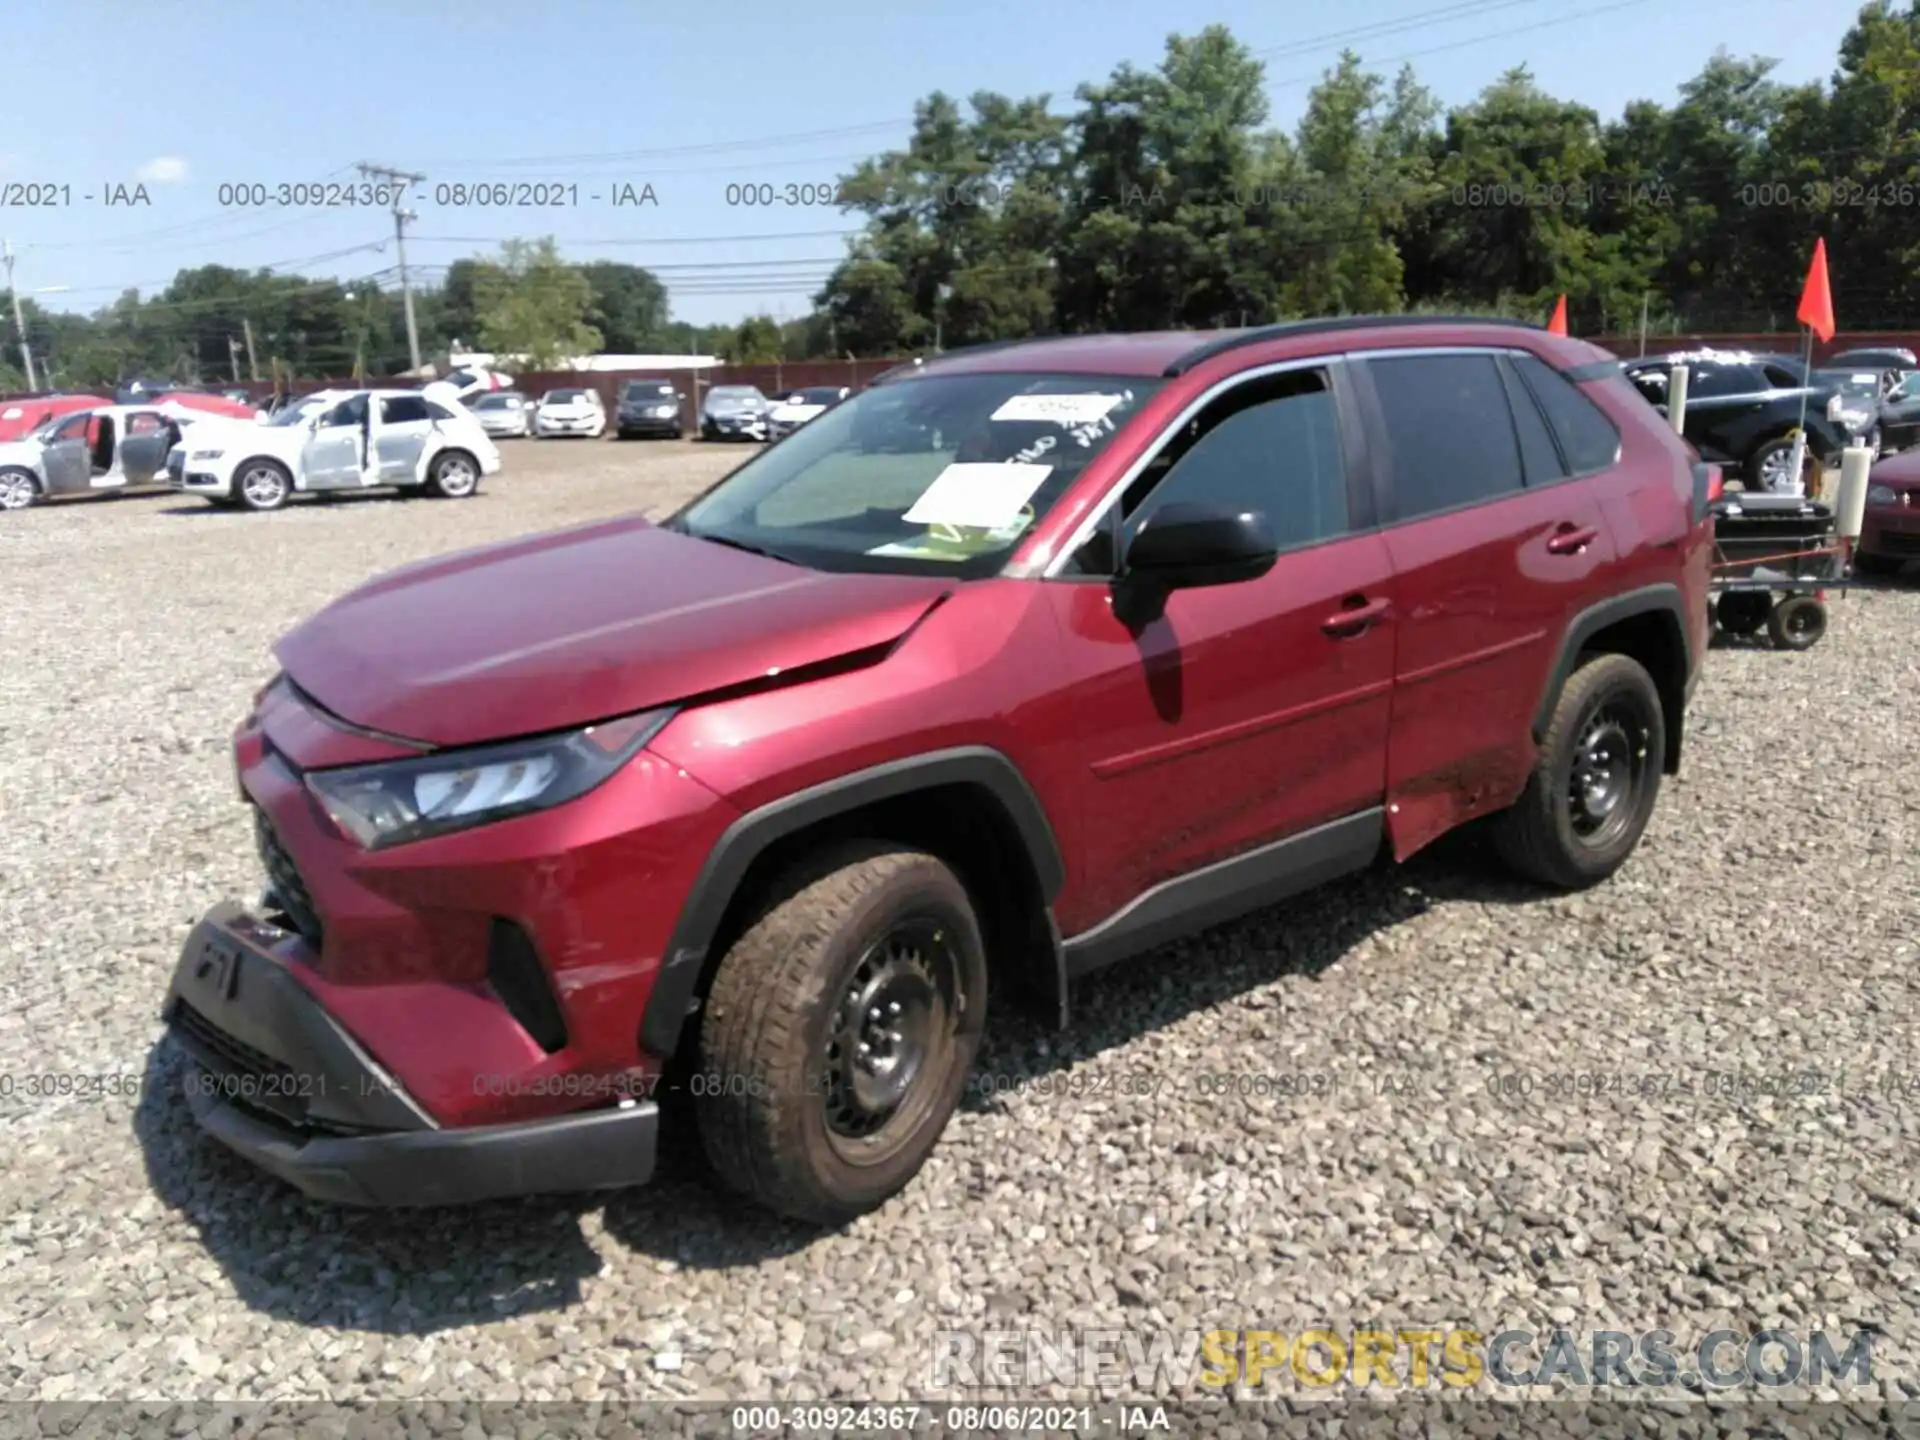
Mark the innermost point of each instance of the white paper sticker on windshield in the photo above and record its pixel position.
(1058, 409)
(977, 496)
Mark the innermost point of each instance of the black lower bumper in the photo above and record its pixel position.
(279, 1081)
(660, 429)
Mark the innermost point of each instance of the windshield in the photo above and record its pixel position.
(736, 395)
(565, 397)
(299, 412)
(646, 390)
(938, 475)
(494, 401)
(821, 396)
(1858, 384)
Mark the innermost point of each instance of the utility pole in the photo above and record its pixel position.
(20, 322)
(402, 216)
(1643, 323)
(233, 358)
(253, 365)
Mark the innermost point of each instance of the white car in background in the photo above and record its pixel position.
(113, 447)
(797, 407)
(321, 446)
(570, 412)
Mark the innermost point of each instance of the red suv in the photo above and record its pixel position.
(1022, 661)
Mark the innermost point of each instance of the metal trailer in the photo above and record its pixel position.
(1776, 558)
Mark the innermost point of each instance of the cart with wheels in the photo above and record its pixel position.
(1776, 558)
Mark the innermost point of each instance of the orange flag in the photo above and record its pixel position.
(1816, 298)
(1558, 324)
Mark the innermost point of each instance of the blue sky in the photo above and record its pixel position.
(688, 98)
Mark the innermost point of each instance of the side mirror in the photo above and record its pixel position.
(1187, 546)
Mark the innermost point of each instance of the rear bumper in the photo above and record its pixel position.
(647, 425)
(278, 1080)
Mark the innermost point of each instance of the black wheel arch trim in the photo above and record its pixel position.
(1662, 599)
(670, 1003)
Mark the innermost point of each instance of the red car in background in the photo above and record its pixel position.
(1025, 660)
(18, 417)
(1890, 531)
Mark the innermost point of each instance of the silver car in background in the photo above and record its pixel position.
(503, 414)
(734, 412)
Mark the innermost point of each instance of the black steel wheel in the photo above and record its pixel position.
(1595, 778)
(839, 1031)
(1797, 623)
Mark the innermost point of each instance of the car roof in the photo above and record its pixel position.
(1160, 353)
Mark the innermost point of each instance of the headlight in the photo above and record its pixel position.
(1882, 495)
(206, 454)
(1835, 408)
(399, 801)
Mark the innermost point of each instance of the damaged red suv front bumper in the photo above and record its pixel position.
(449, 1020)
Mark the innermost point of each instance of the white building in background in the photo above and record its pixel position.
(482, 360)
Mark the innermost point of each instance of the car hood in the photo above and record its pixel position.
(564, 629)
(20, 452)
(735, 407)
(796, 412)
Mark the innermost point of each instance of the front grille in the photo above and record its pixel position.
(284, 876)
(1894, 543)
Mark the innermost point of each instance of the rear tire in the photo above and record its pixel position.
(1797, 623)
(454, 475)
(1766, 467)
(839, 1032)
(1594, 782)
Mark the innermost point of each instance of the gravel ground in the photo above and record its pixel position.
(1767, 927)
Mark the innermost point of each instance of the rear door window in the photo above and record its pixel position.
(1449, 434)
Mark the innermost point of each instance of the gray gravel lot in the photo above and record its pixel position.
(1768, 927)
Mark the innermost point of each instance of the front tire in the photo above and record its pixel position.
(1594, 782)
(18, 489)
(263, 485)
(839, 1032)
(454, 475)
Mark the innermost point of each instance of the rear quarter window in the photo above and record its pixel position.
(1586, 436)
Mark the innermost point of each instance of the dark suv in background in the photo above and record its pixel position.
(647, 408)
(1742, 410)
(1116, 637)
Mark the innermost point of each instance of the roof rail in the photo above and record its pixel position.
(1329, 324)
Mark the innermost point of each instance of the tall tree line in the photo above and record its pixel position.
(1165, 198)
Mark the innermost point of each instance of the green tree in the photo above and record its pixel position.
(754, 341)
(629, 306)
(533, 306)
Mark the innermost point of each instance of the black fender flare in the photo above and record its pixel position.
(1663, 599)
(747, 838)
